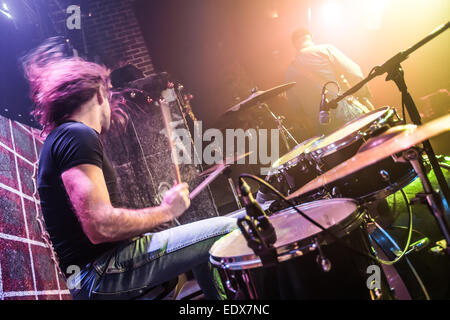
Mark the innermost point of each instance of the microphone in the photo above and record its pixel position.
(324, 114)
(263, 229)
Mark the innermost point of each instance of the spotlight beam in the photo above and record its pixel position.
(6, 13)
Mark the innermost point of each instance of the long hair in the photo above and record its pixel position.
(59, 84)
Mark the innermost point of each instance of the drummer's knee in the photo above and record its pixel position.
(226, 224)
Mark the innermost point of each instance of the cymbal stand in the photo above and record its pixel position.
(227, 174)
(429, 196)
(285, 133)
(395, 73)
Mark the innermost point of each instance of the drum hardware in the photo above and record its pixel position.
(395, 73)
(329, 235)
(382, 238)
(290, 171)
(229, 284)
(408, 137)
(385, 176)
(257, 99)
(245, 276)
(335, 193)
(285, 133)
(429, 196)
(233, 189)
(356, 136)
(439, 248)
(416, 246)
(375, 293)
(322, 261)
(256, 227)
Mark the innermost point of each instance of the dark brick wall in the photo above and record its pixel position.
(109, 32)
(27, 270)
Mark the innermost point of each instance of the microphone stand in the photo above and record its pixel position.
(256, 228)
(395, 73)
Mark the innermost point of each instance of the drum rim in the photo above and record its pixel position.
(390, 189)
(355, 136)
(296, 248)
(295, 160)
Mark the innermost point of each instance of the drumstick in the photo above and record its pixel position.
(167, 119)
(207, 181)
(220, 168)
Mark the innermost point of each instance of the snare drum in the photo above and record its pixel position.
(374, 182)
(304, 253)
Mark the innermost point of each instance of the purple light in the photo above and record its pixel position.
(5, 11)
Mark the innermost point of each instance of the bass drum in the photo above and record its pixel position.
(311, 265)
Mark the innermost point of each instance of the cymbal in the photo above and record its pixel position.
(227, 162)
(409, 136)
(260, 96)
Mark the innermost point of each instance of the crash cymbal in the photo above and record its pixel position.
(227, 162)
(406, 137)
(260, 96)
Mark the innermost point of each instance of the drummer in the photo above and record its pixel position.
(115, 249)
(313, 66)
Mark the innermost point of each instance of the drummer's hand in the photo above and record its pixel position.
(176, 200)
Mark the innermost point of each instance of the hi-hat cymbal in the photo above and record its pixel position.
(409, 136)
(260, 96)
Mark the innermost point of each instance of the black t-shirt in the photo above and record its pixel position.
(71, 144)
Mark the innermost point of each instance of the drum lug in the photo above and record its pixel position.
(230, 286)
(376, 294)
(335, 193)
(323, 262)
(385, 176)
(228, 283)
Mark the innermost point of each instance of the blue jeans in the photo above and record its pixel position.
(142, 263)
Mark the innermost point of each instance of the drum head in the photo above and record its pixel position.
(345, 135)
(293, 232)
(287, 159)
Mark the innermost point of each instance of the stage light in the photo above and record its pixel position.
(5, 11)
(374, 12)
(9, 16)
(332, 12)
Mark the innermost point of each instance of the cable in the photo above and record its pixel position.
(444, 165)
(420, 234)
(410, 229)
(331, 82)
(292, 205)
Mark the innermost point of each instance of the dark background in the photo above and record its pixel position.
(220, 50)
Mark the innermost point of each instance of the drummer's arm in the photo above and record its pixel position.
(101, 222)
